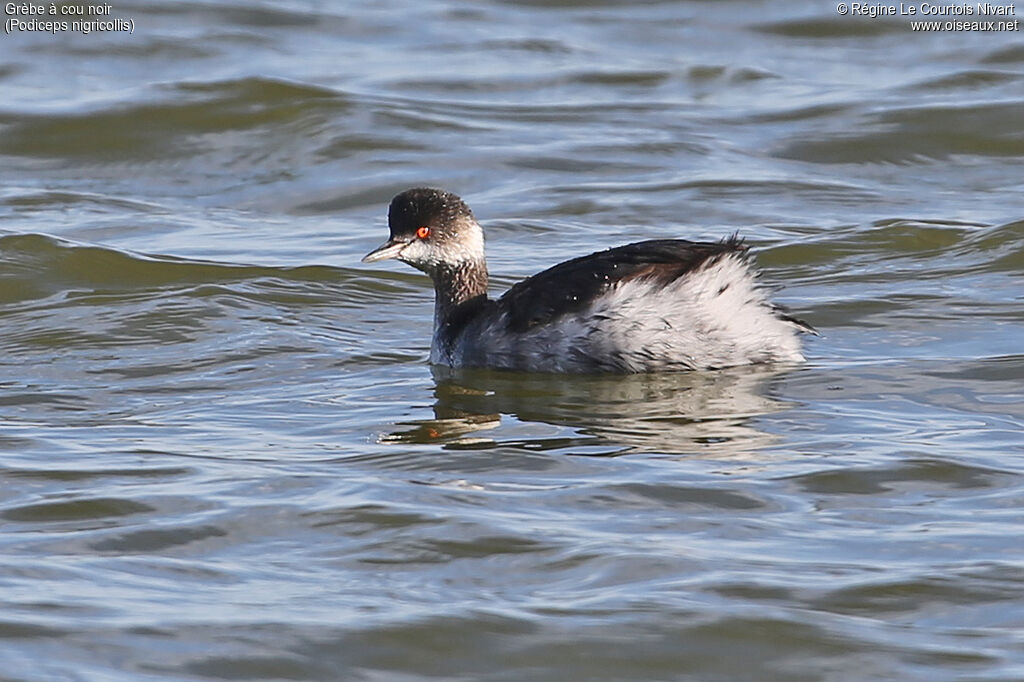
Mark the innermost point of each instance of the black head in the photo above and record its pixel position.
(441, 211)
(429, 227)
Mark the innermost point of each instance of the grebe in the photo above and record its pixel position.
(658, 305)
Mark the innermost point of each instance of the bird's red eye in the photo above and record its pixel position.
(423, 232)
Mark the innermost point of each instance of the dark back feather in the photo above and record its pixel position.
(570, 286)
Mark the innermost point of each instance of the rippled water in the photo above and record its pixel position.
(224, 455)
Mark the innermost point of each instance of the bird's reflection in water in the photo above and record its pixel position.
(684, 412)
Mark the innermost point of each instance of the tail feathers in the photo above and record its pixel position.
(784, 315)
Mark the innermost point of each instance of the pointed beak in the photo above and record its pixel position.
(389, 249)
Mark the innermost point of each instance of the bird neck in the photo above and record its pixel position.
(455, 284)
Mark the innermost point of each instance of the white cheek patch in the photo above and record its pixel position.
(413, 251)
(428, 254)
(420, 255)
(467, 246)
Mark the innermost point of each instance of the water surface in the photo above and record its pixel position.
(224, 455)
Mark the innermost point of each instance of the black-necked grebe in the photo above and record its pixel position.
(664, 304)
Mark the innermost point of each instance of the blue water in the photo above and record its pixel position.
(223, 454)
